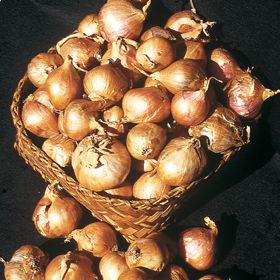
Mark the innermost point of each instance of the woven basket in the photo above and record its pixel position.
(132, 218)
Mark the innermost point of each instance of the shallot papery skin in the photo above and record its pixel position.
(101, 164)
(28, 262)
(148, 253)
(39, 119)
(246, 94)
(89, 25)
(223, 130)
(97, 238)
(222, 65)
(173, 272)
(149, 104)
(191, 107)
(189, 25)
(181, 75)
(41, 65)
(71, 266)
(121, 18)
(181, 161)
(56, 215)
(112, 265)
(198, 245)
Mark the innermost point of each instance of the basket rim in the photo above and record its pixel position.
(177, 191)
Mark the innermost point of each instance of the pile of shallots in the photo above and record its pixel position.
(97, 253)
(137, 112)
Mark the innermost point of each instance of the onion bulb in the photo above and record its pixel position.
(155, 54)
(157, 31)
(122, 52)
(123, 191)
(28, 262)
(191, 107)
(59, 149)
(181, 161)
(145, 140)
(210, 277)
(105, 83)
(222, 65)
(63, 85)
(246, 94)
(121, 18)
(39, 119)
(113, 114)
(144, 165)
(89, 25)
(195, 50)
(189, 25)
(173, 272)
(147, 253)
(100, 164)
(150, 185)
(149, 104)
(85, 53)
(135, 274)
(41, 95)
(56, 215)
(112, 265)
(113, 123)
(198, 245)
(223, 130)
(181, 75)
(97, 238)
(41, 66)
(80, 118)
(71, 266)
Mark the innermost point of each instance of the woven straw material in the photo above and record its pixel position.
(132, 218)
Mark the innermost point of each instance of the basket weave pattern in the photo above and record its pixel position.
(132, 218)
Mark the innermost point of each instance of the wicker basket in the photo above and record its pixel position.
(132, 218)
